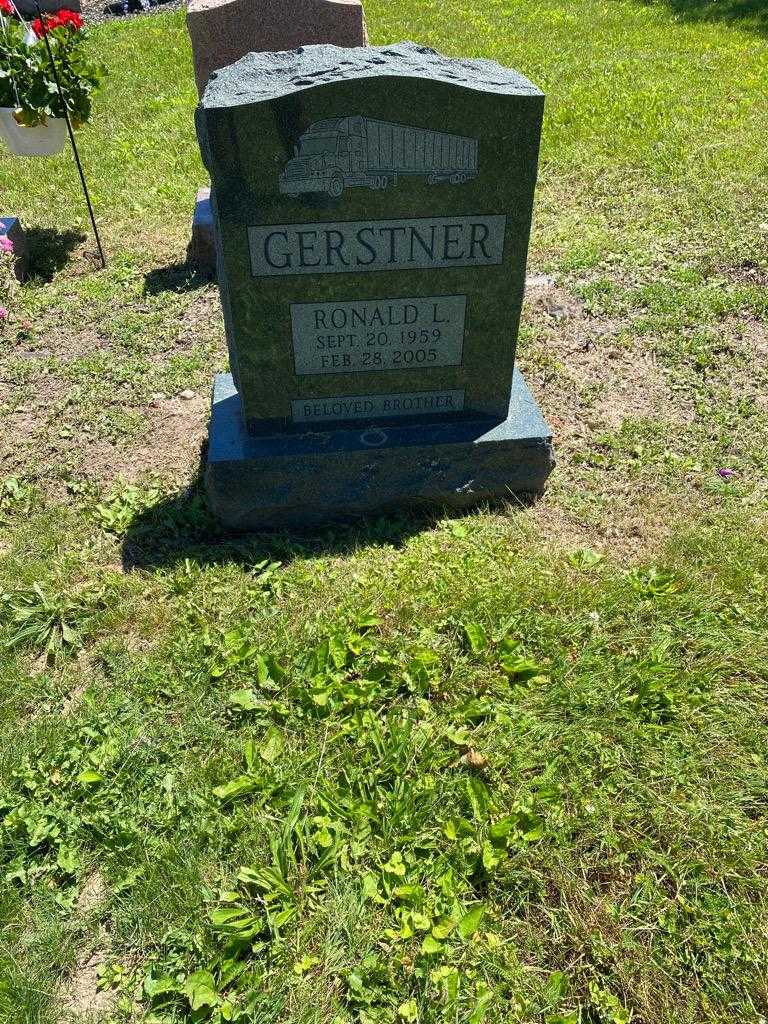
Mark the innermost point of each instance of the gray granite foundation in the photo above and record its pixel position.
(305, 480)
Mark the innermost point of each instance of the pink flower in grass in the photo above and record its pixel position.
(6, 245)
(726, 474)
(3, 313)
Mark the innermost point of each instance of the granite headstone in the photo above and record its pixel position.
(372, 210)
(223, 31)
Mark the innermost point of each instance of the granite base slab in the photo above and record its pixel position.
(308, 479)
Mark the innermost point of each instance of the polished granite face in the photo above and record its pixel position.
(373, 209)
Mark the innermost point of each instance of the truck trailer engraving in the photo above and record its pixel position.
(347, 152)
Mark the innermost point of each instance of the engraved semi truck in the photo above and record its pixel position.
(345, 152)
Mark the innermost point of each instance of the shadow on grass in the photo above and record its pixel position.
(182, 527)
(747, 14)
(178, 277)
(48, 251)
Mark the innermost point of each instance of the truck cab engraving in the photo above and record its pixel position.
(362, 152)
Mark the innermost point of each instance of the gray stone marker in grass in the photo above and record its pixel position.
(201, 251)
(372, 210)
(12, 228)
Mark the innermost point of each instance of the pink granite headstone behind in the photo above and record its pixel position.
(223, 31)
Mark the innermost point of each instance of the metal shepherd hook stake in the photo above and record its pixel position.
(71, 135)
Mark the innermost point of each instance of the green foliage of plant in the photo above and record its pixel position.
(28, 82)
(120, 508)
(381, 819)
(387, 820)
(49, 622)
(16, 496)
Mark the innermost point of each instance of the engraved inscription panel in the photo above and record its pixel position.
(359, 246)
(378, 334)
(364, 407)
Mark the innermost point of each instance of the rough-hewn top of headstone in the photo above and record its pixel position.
(264, 76)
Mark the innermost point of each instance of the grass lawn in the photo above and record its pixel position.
(508, 767)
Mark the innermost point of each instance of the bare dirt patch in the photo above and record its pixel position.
(51, 426)
(80, 995)
(589, 376)
(170, 446)
(65, 338)
(92, 893)
(26, 415)
(33, 439)
(59, 342)
(749, 337)
(636, 525)
(75, 695)
(200, 317)
(748, 272)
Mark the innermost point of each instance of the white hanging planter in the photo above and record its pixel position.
(44, 140)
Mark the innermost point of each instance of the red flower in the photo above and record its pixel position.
(6, 7)
(71, 19)
(62, 19)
